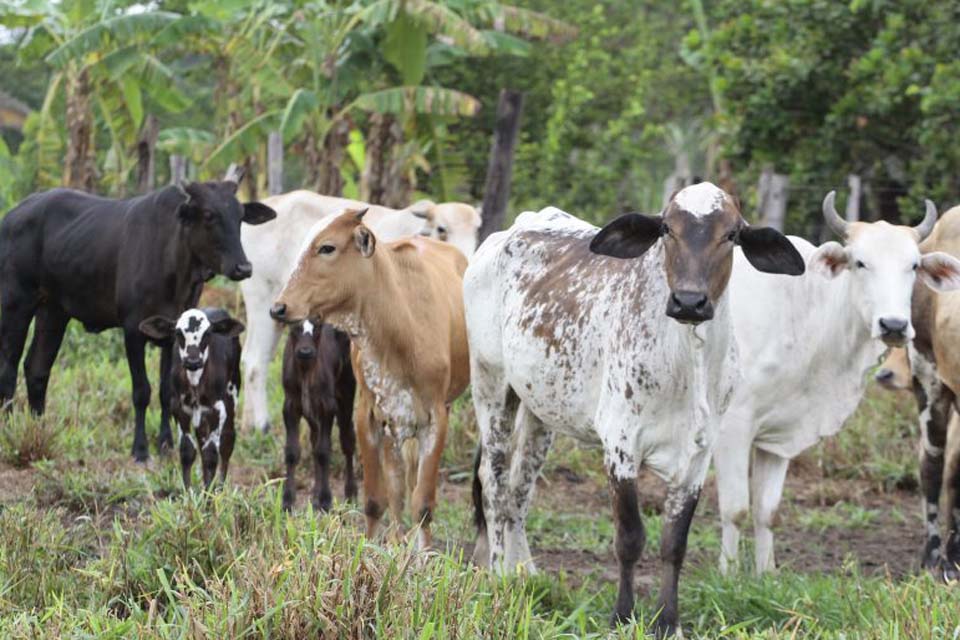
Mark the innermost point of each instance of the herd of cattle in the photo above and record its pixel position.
(668, 340)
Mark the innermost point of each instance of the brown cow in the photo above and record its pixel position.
(402, 305)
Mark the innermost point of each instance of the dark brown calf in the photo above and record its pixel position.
(205, 384)
(318, 384)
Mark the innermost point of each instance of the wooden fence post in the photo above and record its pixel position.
(146, 155)
(496, 190)
(853, 202)
(178, 168)
(772, 197)
(275, 163)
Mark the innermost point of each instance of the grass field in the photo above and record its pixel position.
(95, 546)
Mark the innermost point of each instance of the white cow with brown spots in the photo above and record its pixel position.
(401, 303)
(205, 384)
(275, 248)
(568, 334)
(805, 347)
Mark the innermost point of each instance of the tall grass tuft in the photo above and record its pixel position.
(25, 439)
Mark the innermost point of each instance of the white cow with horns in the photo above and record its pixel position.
(275, 248)
(568, 333)
(805, 346)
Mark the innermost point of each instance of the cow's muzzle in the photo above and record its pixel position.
(894, 331)
(279, 312)
(241, 271)
(306, 353)
(193, 364)
(689, 307)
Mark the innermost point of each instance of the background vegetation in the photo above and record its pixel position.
(392, 100)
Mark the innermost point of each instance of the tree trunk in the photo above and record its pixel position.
(275, 163)
(147, 155)
(384, 180)
(80, 161)
(324, 161)
(496, 191)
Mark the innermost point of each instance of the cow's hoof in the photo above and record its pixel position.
(666, 630)
(323, 503)
(951, 572)
(141, 456)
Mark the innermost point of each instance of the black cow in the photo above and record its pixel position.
(113, 263)
(318, 384)
(205, 380)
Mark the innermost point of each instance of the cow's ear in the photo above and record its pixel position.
(229, 327)
(770, 251)
(628, 236)
(830, 259)
(364, 240)
(257, 213)
(157, 327)
(940, 271)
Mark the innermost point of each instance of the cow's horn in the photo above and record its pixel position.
(929, 219)
(234, 174)
(833, 219)
(362, 213)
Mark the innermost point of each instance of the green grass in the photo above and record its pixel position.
(95, 546)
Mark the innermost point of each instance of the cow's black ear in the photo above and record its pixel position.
(228, 327)
(770, 251)
(628, 236)
(157, 327)
(257, 213)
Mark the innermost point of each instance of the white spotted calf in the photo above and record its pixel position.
(205, 384)
(568, 333)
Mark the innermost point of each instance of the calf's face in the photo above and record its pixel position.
(883, 262)
(306, 337)
(191, 333)
(334, 266)
(454, 222)
(894, 373)
(212, 216)
(699, 229)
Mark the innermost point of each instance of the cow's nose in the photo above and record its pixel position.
(193, 364)
(278, 311)
(306, 353)
(893, 331)
(689, 306)
(242, 271)
(884, 376)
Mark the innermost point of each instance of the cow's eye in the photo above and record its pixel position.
(732, 236)
(860, 265)
(916, 265)
(326, 249)
(442, 232)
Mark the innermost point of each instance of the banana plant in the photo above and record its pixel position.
(104, 63)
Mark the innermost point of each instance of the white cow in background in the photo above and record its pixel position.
(274, 249)
(805, 347)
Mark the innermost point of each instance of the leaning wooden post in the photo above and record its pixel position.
(496, 190)
(853, 202)
(178, 168)
(275, 163)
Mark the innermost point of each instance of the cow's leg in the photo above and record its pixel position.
(533, 442)
(165, 438)
(348, 445)
(731, 461)
(392, 469)
(933, 403)
(320, 432)
(677, 515)
(496, 414)
(188, 451)
(629, 541)
(16, 313)
(51, 323)
(210, 456)
(135, 344)
(258, 348)
(370, 440)
(769, 475)
(424, 502)
(228, 437)
(951, 483)
(291, 451)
